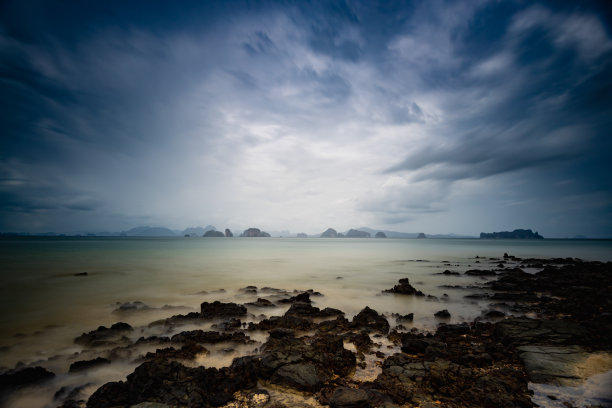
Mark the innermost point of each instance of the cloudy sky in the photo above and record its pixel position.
(427, 116)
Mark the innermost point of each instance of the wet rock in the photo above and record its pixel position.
(217, 310)
(494, 314)
(186, 352)
(261, 302)
(87, 364)
(523, 331)
(361, 340)
(345, 397)
(480, 272)
(405, 318)
(447, 272)
(404, 288)
(302, 298)
(226, 325)
(249, 289)
(281, 333)
(442, 314)
(285, 321)
(103, 335)
(174, 384)
(192, 317)
(305, 363)
(369, 319)
(210, 337)
(23, 377)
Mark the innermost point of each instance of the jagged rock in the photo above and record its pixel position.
(442, 314)
(103, 335)
(302, 298)
(210, 337)
(169, 382)
(404, 288)
(23, 377)
(369, 319)
(261, 303)
(188, 352)
(405, 318)
(87, 364)
(221, 310)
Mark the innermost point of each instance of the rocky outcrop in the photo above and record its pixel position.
(87, 364)
(221, 310)
(404, 288)
(329, 233)
(103, 335)
(171, 383)
(353, 233)
(421, 235)
(516, 234)
(19, 378)
(370, 320)
(228, 233)
(302, 235)
(254, 233)
(380, 234)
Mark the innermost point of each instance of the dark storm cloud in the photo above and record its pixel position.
(170, 112)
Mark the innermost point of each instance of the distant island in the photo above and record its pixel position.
(516, 234)
(254, 233)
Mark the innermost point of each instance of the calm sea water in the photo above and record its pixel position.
(45, 306)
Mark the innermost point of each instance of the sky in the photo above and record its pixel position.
(433, 116)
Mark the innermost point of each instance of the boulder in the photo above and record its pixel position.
(217, 310)
(404, 288)
(344, 397)
(103, 335)
(369, 319)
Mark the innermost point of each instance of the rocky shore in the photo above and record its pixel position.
(550, 326)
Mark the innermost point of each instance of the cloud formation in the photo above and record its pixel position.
(300, 117)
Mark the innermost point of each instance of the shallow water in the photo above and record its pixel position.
(46, 306)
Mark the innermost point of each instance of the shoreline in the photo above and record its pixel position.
(492, 360)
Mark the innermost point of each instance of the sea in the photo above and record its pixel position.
(52, 289)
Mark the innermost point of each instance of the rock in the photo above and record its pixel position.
(369, 319)
(405, 288)
(447, 272)
(255, 233)
(405, 318)
(412, 345)
(525, 331)
(353, 233)
(87, 364)
(329, 233)
(380, 234)
(345, 397)
(174, 384)
(494, 314)
(261, 302)
(442, 314)
(480, 272)
(210, 337)
(81, 274)
(221, 310)
(421, 235)
(305, 365)
(213, 234)
(302, 298)
(23, 377)
(301, 376)
(228, 233)
(103, 335)
(187, 352)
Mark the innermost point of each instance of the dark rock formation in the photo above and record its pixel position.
(213, 234)
(18, 378)
(87, 364)
(210, 337)
(443, 314)
(221, 310)
(404, 288)
(353, 233)
(421, 235)
(103, 335)
(380, 234)
(345, 397)
(261, 302)
(369, 319)
(303, 365)
(254, 233)
(516, 234)
(228, 233)
(329, 233)
(171, 383)
(480, 272)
